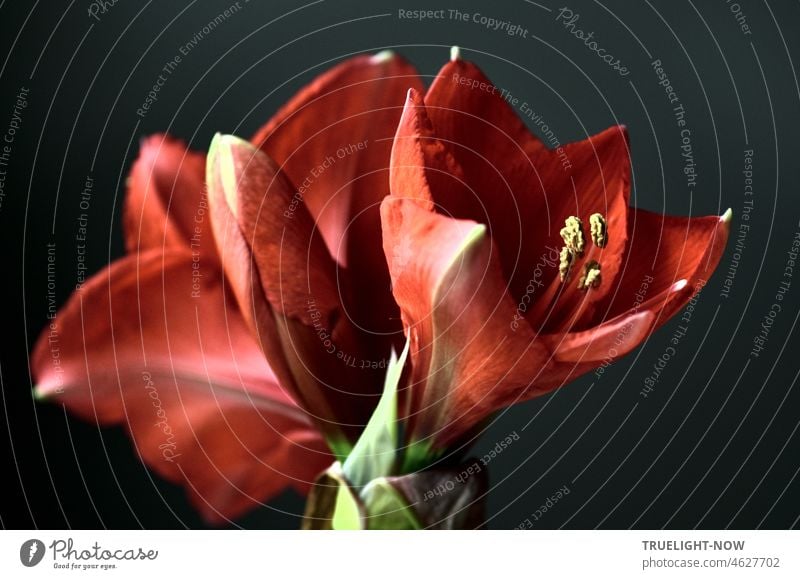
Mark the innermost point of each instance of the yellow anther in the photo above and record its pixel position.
(591, 275)
(572, 234)
(597, 230)
(567, 258)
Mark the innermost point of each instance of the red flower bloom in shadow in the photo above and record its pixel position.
(264, 287)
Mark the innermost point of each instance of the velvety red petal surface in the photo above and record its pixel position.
(522, 190)
(665, 250)
(668, 261)
(144, 345)
(599, 182)
(165, 204)
(423, 167)
(333, 141)
(293, 263)
(457, 339)
(471, 353)
(466, 359)
(285, 280)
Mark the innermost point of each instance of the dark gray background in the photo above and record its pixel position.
(715, 445)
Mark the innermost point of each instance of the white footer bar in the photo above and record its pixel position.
(390, 554)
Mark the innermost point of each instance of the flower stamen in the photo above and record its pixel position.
(591, 276)
(572, 234)
(598, 230)
(566, 259)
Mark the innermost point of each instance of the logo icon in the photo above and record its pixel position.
(32, 552)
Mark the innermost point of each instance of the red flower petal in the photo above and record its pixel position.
(501, 187)
(165, 204)
(146, 345)
(466, 359)
(285, 282)
(660, 275)
(600, 342)
(291, 258)
(522, 190)
(467, 109)
(422, 166)
(662, 251)
(431, 170)
(599, 182)
(333, 140)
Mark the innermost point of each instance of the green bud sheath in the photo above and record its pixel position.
(373, 488)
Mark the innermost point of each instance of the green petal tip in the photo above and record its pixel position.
(727, 216)
(383, 56)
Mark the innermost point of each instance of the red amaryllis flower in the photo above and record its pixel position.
(523, 266)
(157, 341)
(266, 286)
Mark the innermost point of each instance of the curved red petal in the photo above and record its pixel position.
(146, 345)
(285, 281)
(287, 250)
(598, 182)
(660, 276)
(664, 250)
(335, 132)
(333, 140)
(500, 186)
(522, 190)
(466, 108)
(609, 340)
(467, 360)
(423, 167)
(165, 204)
